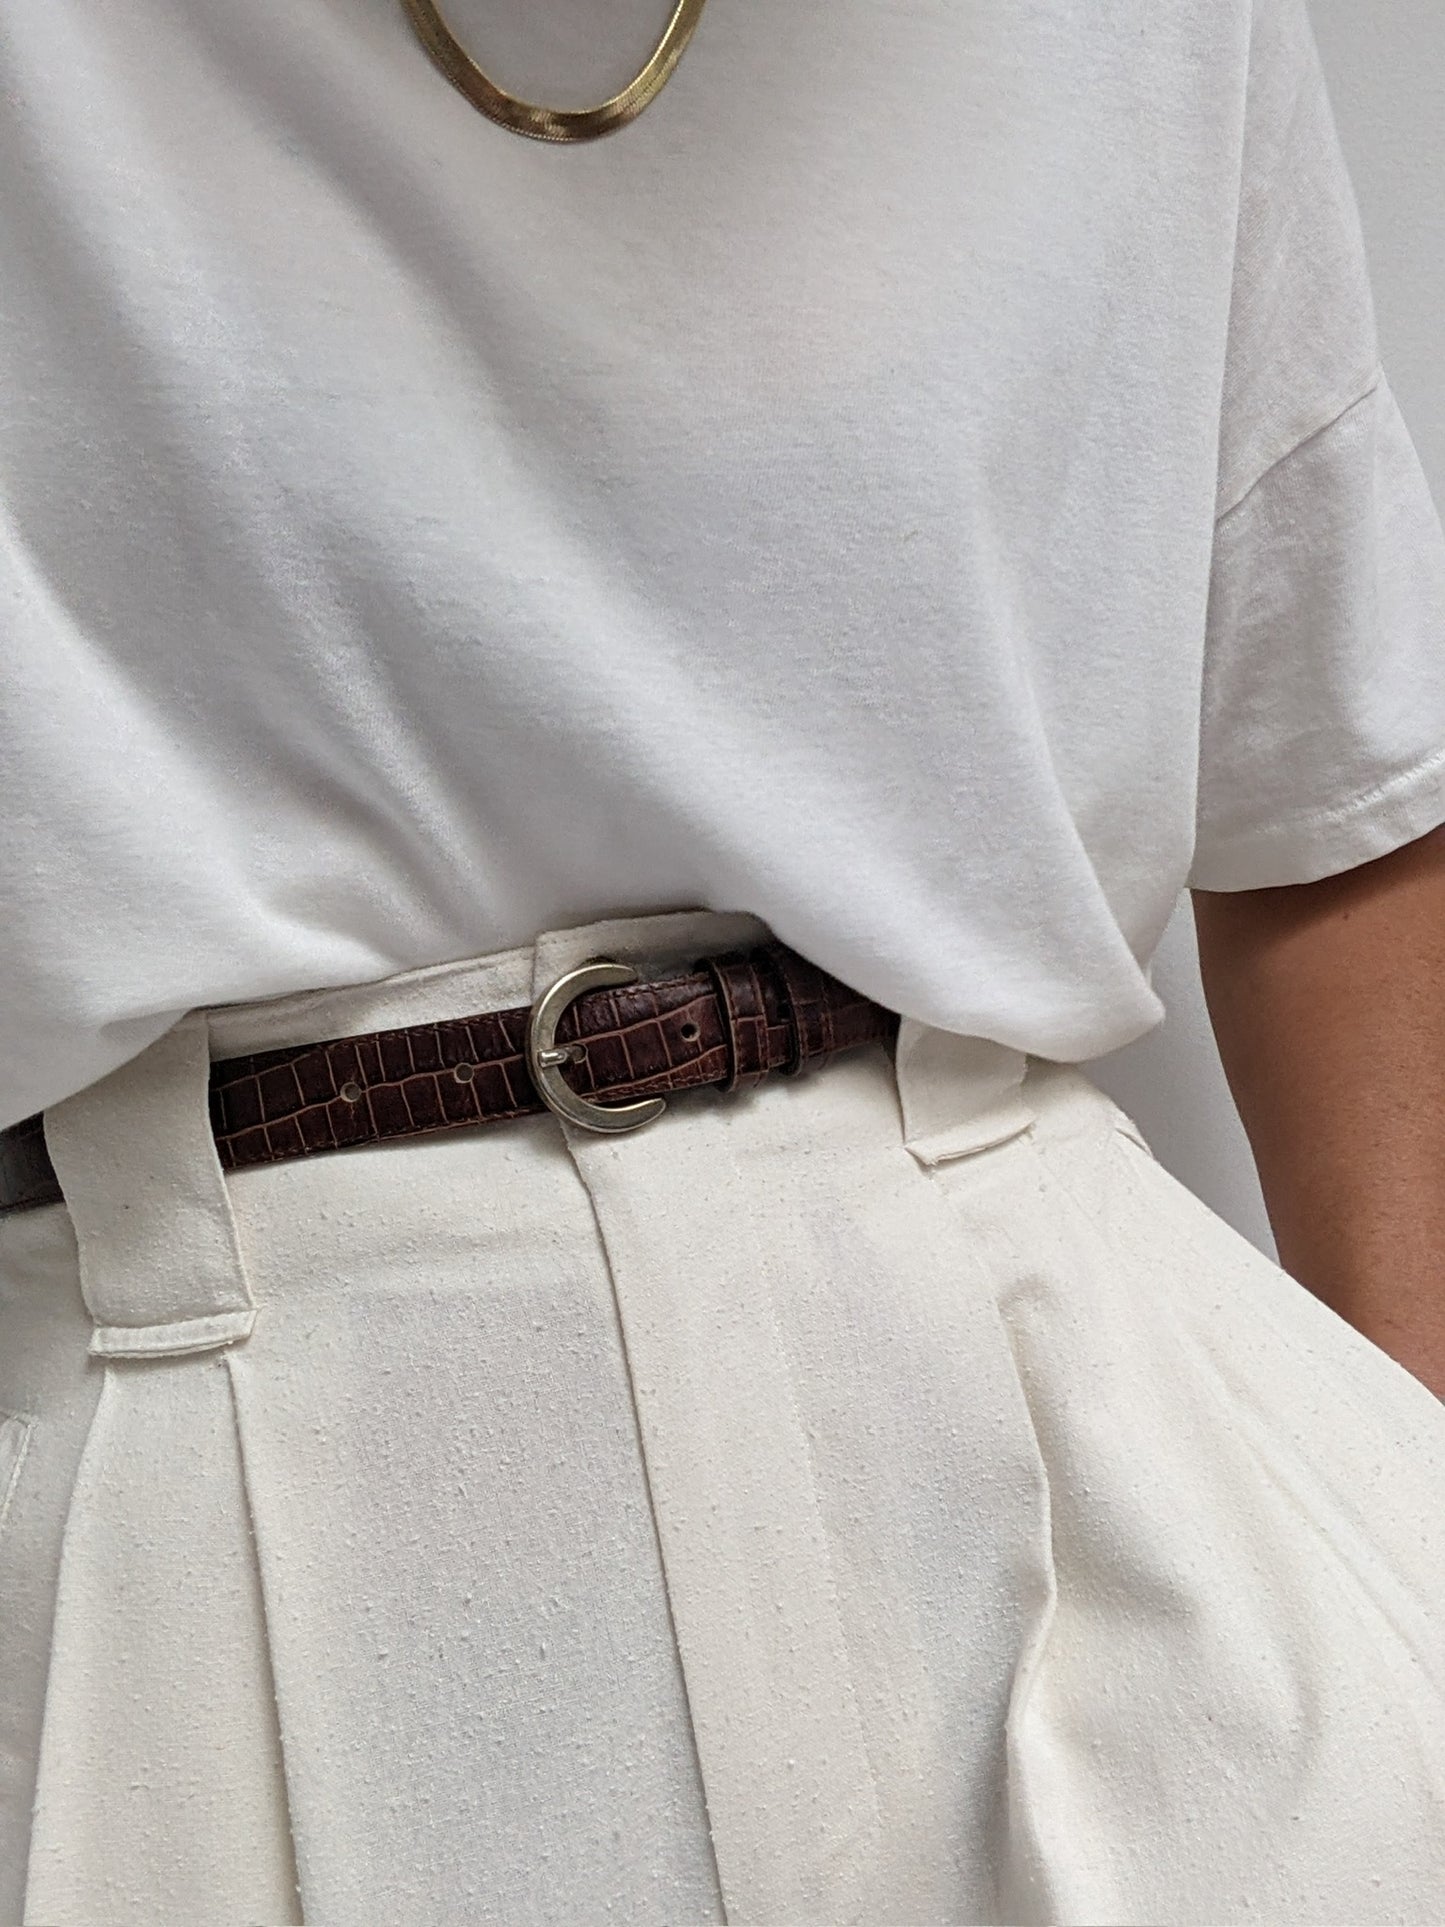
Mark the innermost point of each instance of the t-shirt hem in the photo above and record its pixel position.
(1328, 842)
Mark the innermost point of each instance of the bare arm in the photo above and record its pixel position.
(1328, 1005)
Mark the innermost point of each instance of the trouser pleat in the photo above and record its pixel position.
(160, 1793)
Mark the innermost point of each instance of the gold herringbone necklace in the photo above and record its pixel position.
(553, 123)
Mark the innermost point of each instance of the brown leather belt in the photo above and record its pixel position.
(726, 1020)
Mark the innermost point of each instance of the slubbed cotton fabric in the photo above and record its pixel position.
(885, 1497)
(929, 483)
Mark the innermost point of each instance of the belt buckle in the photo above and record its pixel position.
(544, 1054)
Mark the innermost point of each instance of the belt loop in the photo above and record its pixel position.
(809, 1021)
(744, 1014)
(160, 1264)
(958, 1094)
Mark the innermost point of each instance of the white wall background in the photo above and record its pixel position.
(1386, 65)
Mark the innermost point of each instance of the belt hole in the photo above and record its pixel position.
(689, 1030)
(351, 1092)
(464, 1073)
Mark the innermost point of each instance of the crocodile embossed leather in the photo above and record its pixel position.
(727, 1021)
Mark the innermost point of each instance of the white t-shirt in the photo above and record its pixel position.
(928, 482)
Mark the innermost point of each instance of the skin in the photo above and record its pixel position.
(1328, 1004)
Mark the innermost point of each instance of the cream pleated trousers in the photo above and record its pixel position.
(884, 1496)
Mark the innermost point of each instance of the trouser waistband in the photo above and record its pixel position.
(136, 1158)
(727, 1019)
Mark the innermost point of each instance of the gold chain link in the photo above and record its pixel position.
(553, 123)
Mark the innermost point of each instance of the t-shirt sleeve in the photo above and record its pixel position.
(1322, 739)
